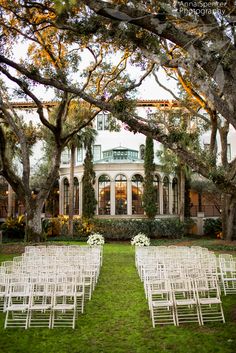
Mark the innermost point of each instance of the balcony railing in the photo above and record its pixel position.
(208, 210)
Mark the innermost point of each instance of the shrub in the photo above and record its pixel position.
(169, 228)
(55, 226)
(122, 229)
(212, 226)
(116, 229)
(14, 228)
(126, 229)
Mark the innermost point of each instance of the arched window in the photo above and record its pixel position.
(156, 183)
(76, 196)
(121, 194)
(175, 192)
(66, 197)
(141, 151)
(165, 195)
(137, 194)
(104, 194)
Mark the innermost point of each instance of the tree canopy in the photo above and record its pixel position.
(47, 53)
(193, 41)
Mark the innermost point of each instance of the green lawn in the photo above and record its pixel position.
(117, 320)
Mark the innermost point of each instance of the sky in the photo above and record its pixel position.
(149, 90)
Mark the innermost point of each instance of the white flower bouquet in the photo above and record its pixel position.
(140, 240)
(95, 239)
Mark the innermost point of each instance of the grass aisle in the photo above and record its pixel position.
(117, 320)
(119, 311)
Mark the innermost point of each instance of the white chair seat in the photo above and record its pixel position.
(63, 307)
(40, 306)
(18, 307)
(163, 303)
(185, 302)
(209, 301)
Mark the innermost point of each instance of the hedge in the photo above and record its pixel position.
(111, 229)
(116, 229)
(212, 226)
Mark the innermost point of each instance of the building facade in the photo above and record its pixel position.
(118, 158)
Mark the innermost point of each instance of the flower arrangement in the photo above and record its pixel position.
(95, 239)
(140, 240)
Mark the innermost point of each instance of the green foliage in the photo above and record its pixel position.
(168, 159)
(149, 195)
(169, 228)
(47, 225)
(111, 229)
(14, 228)
(89, 199)
(212, 226)
(117, 229)
(55, 226)
(122, 229)
(58, 227)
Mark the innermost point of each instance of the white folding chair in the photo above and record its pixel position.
(40, 305)
(3, 289)
(64, 305)
(228, 275)
(80, 292)
(17, 305)
(208, 298)
(185, 301)
(160, 303)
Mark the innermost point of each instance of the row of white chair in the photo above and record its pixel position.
(181, 284)
(227, 266)
(183, 300)
(41, 305)
(47, 286)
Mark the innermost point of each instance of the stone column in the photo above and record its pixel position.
(80, 197)
(96, 194)
(61, 196)
(113, 198)
(129, 197)
(161, 196)
(200, 223)
(170, 197)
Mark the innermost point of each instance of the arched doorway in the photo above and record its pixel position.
(175, 192)
(66, 196)
(156, 183)
(76, 196)
(104, 194)
(120, 194)
(137, 194)
(165, 195)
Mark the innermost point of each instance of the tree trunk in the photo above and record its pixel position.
(71, 191)
(228, 216)
(33, 228)
(10, 202)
